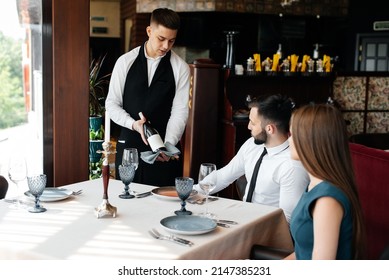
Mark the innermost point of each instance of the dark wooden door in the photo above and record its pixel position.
(373, 52)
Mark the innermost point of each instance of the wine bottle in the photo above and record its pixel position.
(153, 138)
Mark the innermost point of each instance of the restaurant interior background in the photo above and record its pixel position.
(63, 37)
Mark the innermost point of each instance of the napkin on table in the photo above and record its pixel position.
(149, 156)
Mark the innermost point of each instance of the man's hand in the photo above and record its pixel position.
(163, 157)
(138, 126)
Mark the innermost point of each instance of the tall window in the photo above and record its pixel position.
(21, 84)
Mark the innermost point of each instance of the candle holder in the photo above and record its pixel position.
(105, 208)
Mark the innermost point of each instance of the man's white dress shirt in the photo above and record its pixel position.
(280, 182)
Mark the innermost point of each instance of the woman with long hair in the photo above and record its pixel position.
(327, 222)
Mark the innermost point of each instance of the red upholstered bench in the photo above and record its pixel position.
(371, 168)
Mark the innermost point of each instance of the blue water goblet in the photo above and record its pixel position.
(127, 173)
(36, 185)
(184, 186)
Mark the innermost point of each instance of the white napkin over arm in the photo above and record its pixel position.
(149, 156)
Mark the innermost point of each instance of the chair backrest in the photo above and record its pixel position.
(372, 140)
(371, 168)
(240, 185)
(385, 254)
(3, 187)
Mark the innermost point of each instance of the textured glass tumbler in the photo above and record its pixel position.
(127, 173)
(36, 185)
(184, 186)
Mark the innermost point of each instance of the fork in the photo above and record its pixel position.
(73, 192)
(201, 200)
(77, 192)
(154, 233)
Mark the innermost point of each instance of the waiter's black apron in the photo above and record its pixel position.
(155, 101)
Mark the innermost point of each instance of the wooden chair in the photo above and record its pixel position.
(240, 185)
(3, 187)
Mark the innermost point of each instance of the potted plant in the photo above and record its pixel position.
(97, 94)
(97, 87)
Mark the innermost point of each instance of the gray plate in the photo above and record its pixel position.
(51, 194)
(189, 225)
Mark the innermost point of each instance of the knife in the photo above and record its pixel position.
(140, 195)
(182, 240)
(22, 202)
(226, 222)
(222, 225)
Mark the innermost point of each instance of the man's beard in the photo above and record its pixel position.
(260, 138)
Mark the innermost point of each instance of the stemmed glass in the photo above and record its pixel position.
(184, 186)
(17, 172)
(130, 156)
(127, 173)
(37, 184)
(207, 184)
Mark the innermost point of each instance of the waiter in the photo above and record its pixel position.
(154, 80)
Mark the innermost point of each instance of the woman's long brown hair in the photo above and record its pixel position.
(320, 138)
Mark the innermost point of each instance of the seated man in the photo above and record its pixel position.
(280, 181)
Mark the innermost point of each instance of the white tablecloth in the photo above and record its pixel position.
(69, 228)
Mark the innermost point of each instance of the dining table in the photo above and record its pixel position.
(70, 229)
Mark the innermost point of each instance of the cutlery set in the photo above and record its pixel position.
(154, 233)
(77, 192)
(22, 202)
(225, 223)
(201, 200)
(141, 195)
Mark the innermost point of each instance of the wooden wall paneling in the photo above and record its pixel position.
(127, 11)
(139, 36)
(70, 91)
(47, 88)
(201, 133)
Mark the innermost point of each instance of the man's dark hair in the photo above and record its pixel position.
(275, 108)
(165, 17)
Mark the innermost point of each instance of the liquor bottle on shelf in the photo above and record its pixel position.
(279, 51)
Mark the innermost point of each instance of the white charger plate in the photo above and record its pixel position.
(168, 193)
(51, 194)
(188, 225)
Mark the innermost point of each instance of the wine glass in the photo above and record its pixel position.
(127, 173)
(184, 186)
(17, 172)
(37, 184)
(130, 156)
(207, 184)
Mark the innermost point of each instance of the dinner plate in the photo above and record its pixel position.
(189, 225)
(51, 194)
(168, 193)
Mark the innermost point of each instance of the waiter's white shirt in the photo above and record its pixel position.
(179, 111)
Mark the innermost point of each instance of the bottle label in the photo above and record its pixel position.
(155, 142)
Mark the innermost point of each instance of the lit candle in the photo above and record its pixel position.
(107, 136)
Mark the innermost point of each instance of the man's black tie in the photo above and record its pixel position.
(255, 175)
